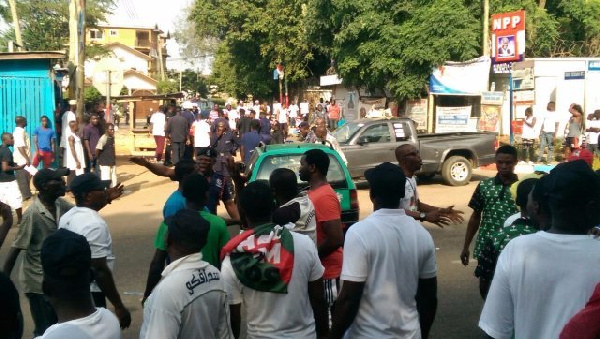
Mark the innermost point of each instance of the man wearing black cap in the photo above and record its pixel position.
(190, 300)
(39, 221)
(91, 196)
(543, 279)
(66, 259)
(389, 248)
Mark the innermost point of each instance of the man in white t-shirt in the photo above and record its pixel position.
(392, 257)
(549, 125)
(66, 118)
(409, 159)
(593, 132)
(282, 119)
(201, 129)
(544, 279)
(190, 300)
(91, 196)
(22, 151)
(293, 110)
(232, 117)
(289, 306)
(66, 261)
(158, 121)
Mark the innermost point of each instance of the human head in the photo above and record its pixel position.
(89, 191)
(66, 261)
(256, 203)
(504, 42)
(523, 190)
(576, 109)
(314, 163)
(551, 106)
(221, 127)
(304, 128)
(573, 193)
(21, 121)
(216, 107)
(45, 121)
(195, 191)
(72, 104)
(187, 233)
(537, 205)
(528, 111)
(333, 101)
(110, 129)
(321, 132)
(506, 160)
(320, 122)
(94, 117)
(7, 139)
(205, 159)
(387, 185)
(409, 159)
(255, 125)
(284, 184)
(50, 183)
(74, 126)
(183, 169)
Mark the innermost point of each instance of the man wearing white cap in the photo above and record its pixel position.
(67, 117)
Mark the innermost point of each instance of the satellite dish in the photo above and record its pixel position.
(108, 69)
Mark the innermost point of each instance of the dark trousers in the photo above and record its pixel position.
(23, 178)
(188, 154)
(177, 150)
(42, 313)
(99, 299)
(168, 157)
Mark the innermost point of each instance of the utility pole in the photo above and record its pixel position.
(15, 17)
(486, 28)
(77, 51)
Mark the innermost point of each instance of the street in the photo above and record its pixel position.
(134, 218)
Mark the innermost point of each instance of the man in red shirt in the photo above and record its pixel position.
(330, 237)
(334, 114)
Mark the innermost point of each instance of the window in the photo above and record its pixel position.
(142, 39)
(96, 34)
(114, 32)
(376, 133)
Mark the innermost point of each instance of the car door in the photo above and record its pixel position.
(374, 144)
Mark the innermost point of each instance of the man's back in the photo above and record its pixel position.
(189, 302)
(100, 324)
(274, 315)
(390, 253)
(541, 281)
(178, 128)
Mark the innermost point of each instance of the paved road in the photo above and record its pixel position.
(134, 218)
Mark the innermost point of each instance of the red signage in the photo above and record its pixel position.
(508, 37)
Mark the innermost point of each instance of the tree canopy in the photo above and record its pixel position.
(383, 44)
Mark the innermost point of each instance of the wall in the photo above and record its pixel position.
(134, 82)
(130, 60)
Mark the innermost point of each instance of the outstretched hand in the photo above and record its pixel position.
(452, 214)
(114, 192)
(138, 160)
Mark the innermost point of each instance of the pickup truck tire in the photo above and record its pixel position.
(457, 171)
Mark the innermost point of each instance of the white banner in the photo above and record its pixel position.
(452, 119)
(469, 77)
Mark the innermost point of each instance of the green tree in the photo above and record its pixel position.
(45, 23)
(167, 86)
(191, 81)
(91, 96)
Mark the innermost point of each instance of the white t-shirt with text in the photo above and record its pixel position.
(158, 121)
(390, 253)
(100, 324)
(541, 281)
(276, 315)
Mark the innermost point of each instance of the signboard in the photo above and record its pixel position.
(580, 75)
(524, 96)
(594, 65)
(417, 111)
(452, 119)
(508, 36)
(469, 77)
(108, 73)
(523, 79)
(351, 104)
(490, 118)
(503, 68)
(492, 98)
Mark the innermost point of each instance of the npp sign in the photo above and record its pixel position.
(508, 36)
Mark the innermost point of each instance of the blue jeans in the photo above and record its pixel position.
(547, 139)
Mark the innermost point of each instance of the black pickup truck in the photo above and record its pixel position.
(369, 142)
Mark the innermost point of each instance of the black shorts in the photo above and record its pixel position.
(221, 188)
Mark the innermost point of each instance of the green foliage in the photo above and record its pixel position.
(91, 96)
(167, 86)
(45, 23)
(191, 81)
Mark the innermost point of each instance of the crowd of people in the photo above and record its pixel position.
(296, 269)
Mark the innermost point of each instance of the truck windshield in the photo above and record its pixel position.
(346, 132)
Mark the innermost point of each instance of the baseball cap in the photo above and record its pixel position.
(66, 260)
(47, 174)
(88, 182)
(72, 102)
(206, 151)
(386, 178)
(572, 183)
(582, 154)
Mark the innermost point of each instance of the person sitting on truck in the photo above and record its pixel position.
(326, 138)
(409, 160)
